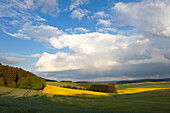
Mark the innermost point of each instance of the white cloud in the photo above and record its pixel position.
(77, 30)
(54, 62)
(76, 3)
(106, 30)
(150, 17)
(14, 22)
(19, 8)
(18, 35)
(40, 33)
(26, 4)
(10, 60)
(14, 9)
(105, 23)
(84, 43)
(90, 47)
(100, 14)
(48, 6)
(80, 30)
(79, 13)
(38, 18)
(97, 52)
(20, 12)
(70, 30)
(35, 55)
(32, 55)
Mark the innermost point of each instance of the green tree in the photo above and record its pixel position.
(23, 83)
(35, 83)
(1, 81)
(13, 84)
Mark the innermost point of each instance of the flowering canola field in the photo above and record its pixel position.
(137, 90)
(49, 89)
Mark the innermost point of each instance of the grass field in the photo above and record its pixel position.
(29, 101)
(61, 84)
(145, 85)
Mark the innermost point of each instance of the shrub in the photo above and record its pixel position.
(74, 87)
(110, 88)
(68, 86)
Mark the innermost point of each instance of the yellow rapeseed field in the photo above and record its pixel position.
(137, 90)
(49, 89)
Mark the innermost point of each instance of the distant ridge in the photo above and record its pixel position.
(48, 80)
(143, 80)
(127, 81)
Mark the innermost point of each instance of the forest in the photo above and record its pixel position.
(19, 78)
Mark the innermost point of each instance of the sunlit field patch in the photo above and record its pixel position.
(52, 82)
(49, 89)
(137, 90)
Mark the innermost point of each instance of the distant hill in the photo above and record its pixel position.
(19, 78)
(143, 80)
(126, 81)
(84, 82)
(48, 80)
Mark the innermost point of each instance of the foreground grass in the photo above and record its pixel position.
(13, 100)
(16, 92)
(157, 101)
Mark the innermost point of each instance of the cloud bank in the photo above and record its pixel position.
(10, 60)
(150, 17)
(98, 53)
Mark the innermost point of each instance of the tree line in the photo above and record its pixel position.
(19, 78)
(110, 88)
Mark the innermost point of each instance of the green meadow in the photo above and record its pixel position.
(13, 100)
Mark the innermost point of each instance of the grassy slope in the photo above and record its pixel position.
(13, 100)
(145, 85)
(154, 101)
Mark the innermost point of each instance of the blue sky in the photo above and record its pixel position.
(87, 39)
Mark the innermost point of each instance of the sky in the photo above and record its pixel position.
(87, 40)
